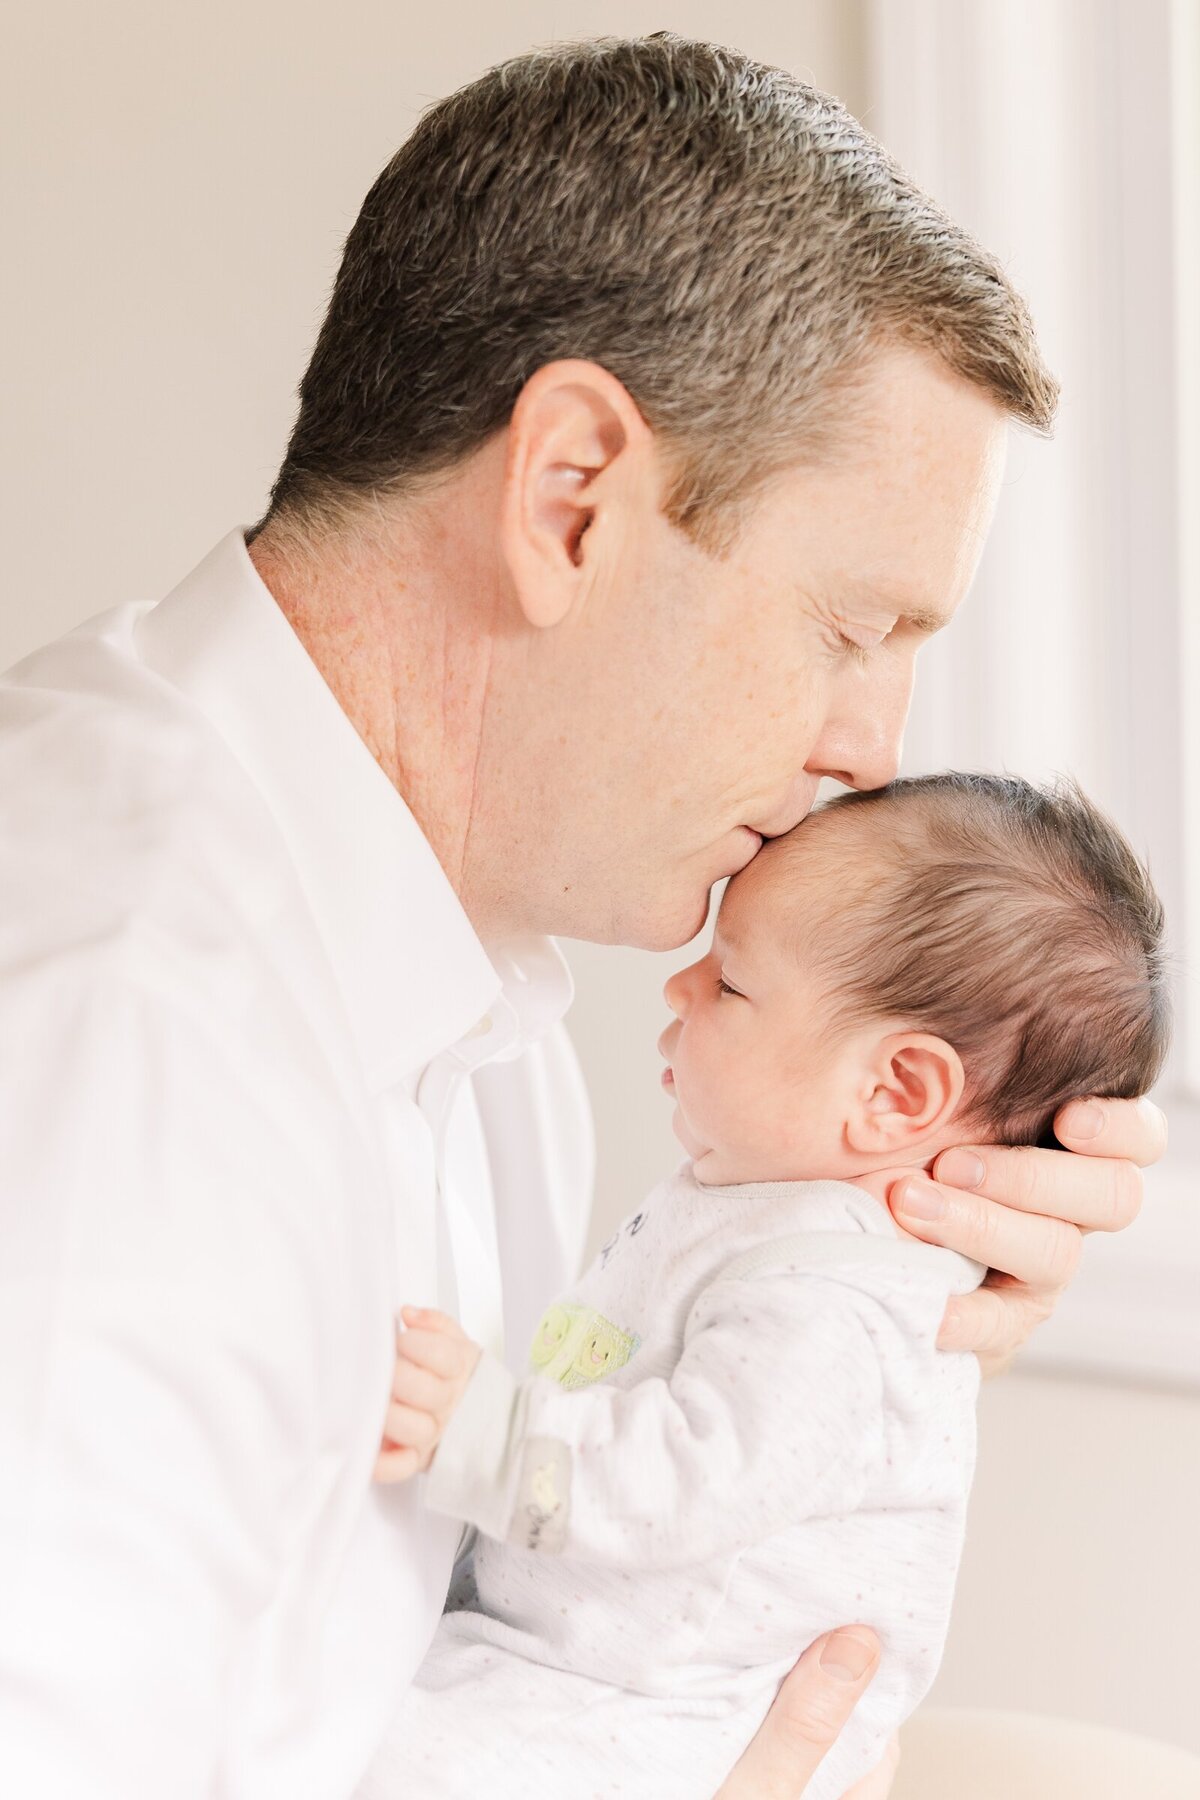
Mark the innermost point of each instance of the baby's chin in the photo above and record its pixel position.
(735, 1168)
(701, 1153)
(712, 1168)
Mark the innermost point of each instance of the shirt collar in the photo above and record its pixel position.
(413, 974)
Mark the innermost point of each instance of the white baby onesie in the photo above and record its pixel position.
(739, 1434)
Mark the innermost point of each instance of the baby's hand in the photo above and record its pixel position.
(434, 1362)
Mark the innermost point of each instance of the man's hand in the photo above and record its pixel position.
(435, 1359)
(1025, 1214)
(808, 1712)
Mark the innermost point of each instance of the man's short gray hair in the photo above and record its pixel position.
(727, 241)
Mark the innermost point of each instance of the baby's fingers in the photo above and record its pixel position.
(410, 1429)
(396, 1465)
(431, 1350)
(430, 1319)
(414, 1386)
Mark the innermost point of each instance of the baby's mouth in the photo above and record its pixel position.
(668, 1077)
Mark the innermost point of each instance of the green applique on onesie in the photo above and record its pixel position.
(575, 1345)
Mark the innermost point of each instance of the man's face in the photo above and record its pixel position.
(696, 702)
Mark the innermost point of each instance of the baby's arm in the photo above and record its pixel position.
(773, 1413)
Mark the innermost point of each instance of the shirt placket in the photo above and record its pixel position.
(468, 1259)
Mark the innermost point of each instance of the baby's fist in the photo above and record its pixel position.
(435, 1359)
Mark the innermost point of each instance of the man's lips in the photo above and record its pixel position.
(753, 840)
(787, 820)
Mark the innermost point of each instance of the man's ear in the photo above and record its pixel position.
(571, 424)
(910, 1088)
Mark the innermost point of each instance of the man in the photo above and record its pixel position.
(655, 422)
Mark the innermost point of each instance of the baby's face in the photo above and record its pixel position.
(761, 1081)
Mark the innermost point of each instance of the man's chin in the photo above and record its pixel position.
(664, 929)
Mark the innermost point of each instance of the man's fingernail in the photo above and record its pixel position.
(1084, 1120)
(961, 1168)
(847, 1657)
(920, 1200)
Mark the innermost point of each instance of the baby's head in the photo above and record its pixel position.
(942, 961)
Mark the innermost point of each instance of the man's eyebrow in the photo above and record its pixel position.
(924, 619)
(924, 622)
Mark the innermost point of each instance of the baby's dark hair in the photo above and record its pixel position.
(1015, 922)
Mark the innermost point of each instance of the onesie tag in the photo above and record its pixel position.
(543, 1496)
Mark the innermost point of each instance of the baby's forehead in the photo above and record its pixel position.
(823, 865)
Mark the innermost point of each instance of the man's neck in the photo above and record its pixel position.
(407, 660)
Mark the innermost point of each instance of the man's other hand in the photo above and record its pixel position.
(808, 1712)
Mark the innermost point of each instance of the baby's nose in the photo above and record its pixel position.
(674, 993)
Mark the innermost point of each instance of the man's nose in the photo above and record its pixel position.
(862, 749)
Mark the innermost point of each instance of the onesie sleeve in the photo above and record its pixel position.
(773, 1414)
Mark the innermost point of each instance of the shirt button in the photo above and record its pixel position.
(483, 1027)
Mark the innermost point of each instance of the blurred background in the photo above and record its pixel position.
(177, 183)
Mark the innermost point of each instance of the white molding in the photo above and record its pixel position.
(1067, 136)
(1185, 115)
(1132, 1314)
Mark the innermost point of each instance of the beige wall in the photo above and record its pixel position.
(1080, 1586)
(178, 181)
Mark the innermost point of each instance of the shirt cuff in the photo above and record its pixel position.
(473, 1473)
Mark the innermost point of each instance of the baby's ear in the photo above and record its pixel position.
(910, 1088)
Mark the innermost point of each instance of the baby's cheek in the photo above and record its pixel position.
(744, 1110)
(777, 1114)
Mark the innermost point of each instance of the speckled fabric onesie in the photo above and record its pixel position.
(739, 1433)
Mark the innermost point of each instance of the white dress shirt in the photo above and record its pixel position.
(259, 1084)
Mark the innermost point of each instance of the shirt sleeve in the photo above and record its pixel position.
(773, 1414)
(157, 1301)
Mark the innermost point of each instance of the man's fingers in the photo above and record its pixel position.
(1133, 1130)
(1095, 1193)
(1024, 1212)
(809, 1711)
(1041, 1251)
(993, 1322)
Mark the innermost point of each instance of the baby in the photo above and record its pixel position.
(739, 1432)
